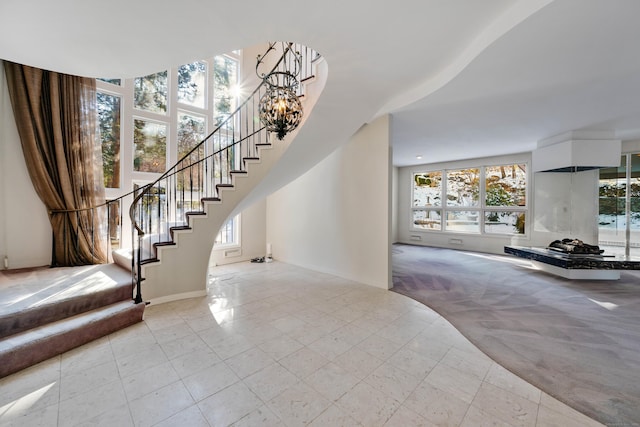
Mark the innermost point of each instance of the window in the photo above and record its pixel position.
(109, 125)
(112, 81)
(427, 193)
(192, 84)
(463, 187)
(225, 87)
(148, 123)
(191, 131)
(229, 233)
(619, 206)
(150, 145)
(150, 92)
(505, 198)
(485, 200)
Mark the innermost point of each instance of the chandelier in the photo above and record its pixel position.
(280, 109)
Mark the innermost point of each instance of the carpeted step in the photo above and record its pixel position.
(25, 349)
(93, 288)
(122, 258)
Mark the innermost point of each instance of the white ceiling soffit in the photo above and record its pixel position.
(573, 65)
(375, 49)
(486, 79)
(125, 38)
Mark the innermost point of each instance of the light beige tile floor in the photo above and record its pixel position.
(277, 345)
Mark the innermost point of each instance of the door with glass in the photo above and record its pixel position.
(619, 207)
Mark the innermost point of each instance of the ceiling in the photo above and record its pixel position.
(461, 78)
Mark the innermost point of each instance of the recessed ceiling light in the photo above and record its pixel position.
(419, 157)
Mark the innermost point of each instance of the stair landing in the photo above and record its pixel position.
(47, 311)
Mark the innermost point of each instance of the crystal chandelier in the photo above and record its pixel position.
(280, 109)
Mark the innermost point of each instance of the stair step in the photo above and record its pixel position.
(210, 199)
(178, 228)
(159, 244)
(238, 172)
(194, 213)
(221, 186)
(33, 346)
(245, 159)
(93, 287)
(172, 230)
(122, 257)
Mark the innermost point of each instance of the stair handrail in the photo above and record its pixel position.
(204, 140)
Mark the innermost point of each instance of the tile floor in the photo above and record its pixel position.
(278, 345)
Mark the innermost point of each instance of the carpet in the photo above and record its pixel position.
(577, 340)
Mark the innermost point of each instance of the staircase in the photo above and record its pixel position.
(175, 221)
(77, 305)
(176, 218)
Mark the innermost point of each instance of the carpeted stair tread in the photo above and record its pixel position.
(122, 257)
(35, 303)
(36, 345)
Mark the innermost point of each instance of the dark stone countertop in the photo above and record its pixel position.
(571, 261)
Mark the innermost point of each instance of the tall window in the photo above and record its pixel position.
(148, 123)
(505, 199)
(150, 146)
(225, 78)
(462, 193)
(427, 200)
(487, 200)
(619, 205)
(192, 84)
(109, 109)
(150, 93)
(229, 232)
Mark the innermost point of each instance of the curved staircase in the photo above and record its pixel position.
(179, 268)
(176, 218)
(45, 312)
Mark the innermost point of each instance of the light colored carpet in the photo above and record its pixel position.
(579, 341)
(33, 287)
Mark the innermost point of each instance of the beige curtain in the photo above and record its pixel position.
(56, 118)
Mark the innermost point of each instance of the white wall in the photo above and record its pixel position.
(25, 232)
(561, 205)
(631, 146)
(336, 217)
(565, 205)
(394, 204)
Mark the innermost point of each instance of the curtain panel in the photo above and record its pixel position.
(56, 118)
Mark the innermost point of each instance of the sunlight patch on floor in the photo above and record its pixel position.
(501, 258)
(91, 284)
(608, 305)
(20, 406)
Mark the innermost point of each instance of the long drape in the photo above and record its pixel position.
(56, 118)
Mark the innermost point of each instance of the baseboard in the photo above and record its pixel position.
(177, 297)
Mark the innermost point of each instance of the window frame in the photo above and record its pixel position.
(482, 209)
(125, 90)
(236, 243)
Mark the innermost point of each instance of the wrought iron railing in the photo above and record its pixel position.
(165, 205)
